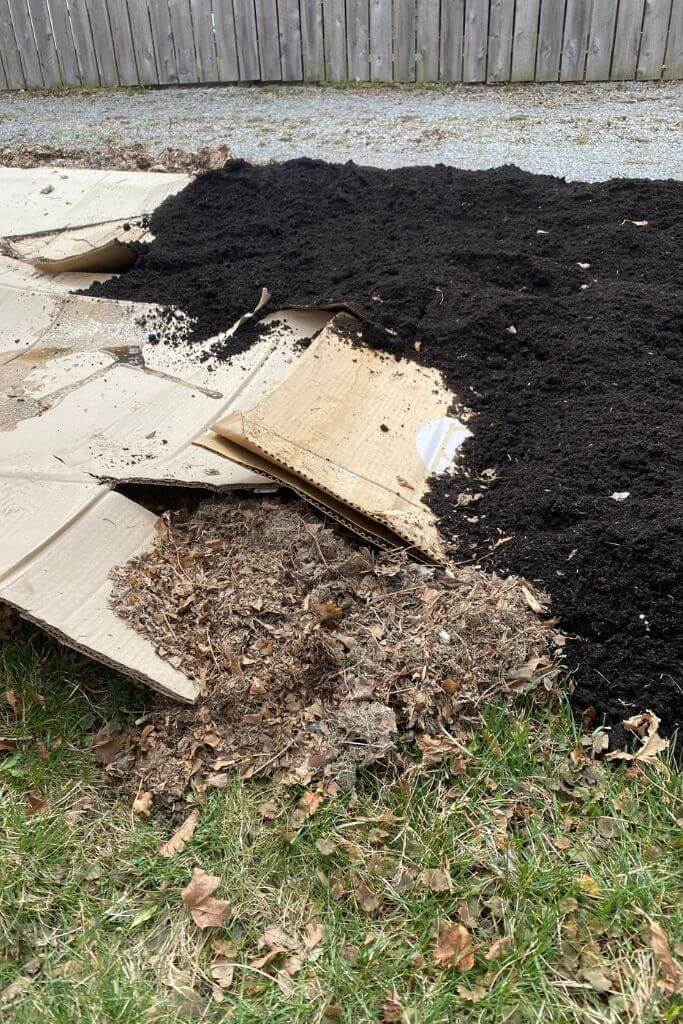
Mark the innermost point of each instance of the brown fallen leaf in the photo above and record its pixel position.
(35, 804)
(13, 700)
(392, 1011)
(224, 948)
(645, 726)
(310, 802)
(436, 749)
(436, 879)
(315, 933)
(206, 912)
(106, 747)
(597, 979)
(471, 995)
(367, 900)
(453, 947)
(672, 973)
(143, 804)
(223, 972)
(275, 936)
(181, 836)
(498, 948)
(15, 989)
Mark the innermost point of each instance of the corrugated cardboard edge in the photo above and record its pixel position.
(97, 248)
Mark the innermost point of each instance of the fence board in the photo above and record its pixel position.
(226, 47)
(3, 80)
(312, 52)
(549, 46)
(102, 41)
(290, 40)
(64, 43)
(268, 40)
(499, 60)
(450, 44)
(205, 47)
(358, 40)
(123, 42)
(524, 42)
(183, 40)
(653, 40)
(83, 41)
(576, 26)
(626, 40)
(404, 40)
(246, 39)
(334, 21)
(601, 40)
(476, 35)
(427, 46)
(381, 41)
(673, 61)
(26, 44)
(143, 45)
(45, 43)
(9, 50)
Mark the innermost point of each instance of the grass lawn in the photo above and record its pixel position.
(530, 871)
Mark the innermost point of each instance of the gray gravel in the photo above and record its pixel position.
(589, 132)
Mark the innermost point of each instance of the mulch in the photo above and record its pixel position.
(551, 309)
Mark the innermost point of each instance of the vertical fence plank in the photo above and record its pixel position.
(576, 26)
(202, 27)
(626, 40)
(3, 80)
(499, 61)
(162, 35)
(142, 42)
(601, 40)
(26, 44)
(268, 40)
(524, 40)
(9, 50)
(428, 43)
(64, 42)
(381, 41)
(334, 22)
(404, 40)
(312, 52)
(358, 39)
(450, 43)
(290, 40)
(476, 35)
(226, 47)
(673, 60)
(653, 41)
(45, 43)
(245, 35)
(549, 40)
(102, 41)
(83, 41)
(123, 42)
(183, 40)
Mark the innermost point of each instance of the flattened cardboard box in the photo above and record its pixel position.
(355, 430)
(86, 402)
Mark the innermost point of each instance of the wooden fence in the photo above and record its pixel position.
(52, 43)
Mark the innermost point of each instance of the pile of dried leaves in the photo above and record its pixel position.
(312, 652)
(134, 157)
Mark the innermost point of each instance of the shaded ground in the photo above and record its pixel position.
(588, 132)
(551, 309)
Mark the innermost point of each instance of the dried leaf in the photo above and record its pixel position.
(367, 900)
(315, 933)
(645, 726)
(14, 990)
(143, 804)
(436, 879)
(35, 803)
(498, 948)
(609, 828)
(392, 1011)
(436, 749)
(531, 599)
(107, 747)
(13, 701)
(276, 936)
(672, 972)
(181, 836)
(471, 995)
(223, 972)
(310, 802)
(206, 912)
(597, 979)
(589, 886)
(453, 947)
(325, 846)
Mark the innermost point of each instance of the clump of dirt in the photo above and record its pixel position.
(117, 158)
(552, 310)
(313, 653)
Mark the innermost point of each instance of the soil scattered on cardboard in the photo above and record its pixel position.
(550, 307)
(313, 653)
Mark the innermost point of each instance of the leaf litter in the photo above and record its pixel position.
(313, 653)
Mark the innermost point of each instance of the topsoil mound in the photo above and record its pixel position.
(550, 307)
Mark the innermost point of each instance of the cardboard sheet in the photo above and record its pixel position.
(359, 431)
(96, 248)
(85, 402)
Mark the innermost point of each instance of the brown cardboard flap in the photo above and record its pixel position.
(360, 427)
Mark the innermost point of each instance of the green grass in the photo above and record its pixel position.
(91, 915)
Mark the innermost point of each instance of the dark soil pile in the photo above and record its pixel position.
(551, 309)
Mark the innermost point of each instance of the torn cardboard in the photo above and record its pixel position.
(357, 431)
(96, 249)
